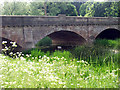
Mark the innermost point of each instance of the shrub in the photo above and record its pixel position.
(106, 43)
(44, 42)
(101, 42)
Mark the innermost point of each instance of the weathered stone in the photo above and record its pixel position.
(28, 30)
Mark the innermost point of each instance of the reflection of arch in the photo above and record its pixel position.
(110, 33)
(64, 37)
(8, 44)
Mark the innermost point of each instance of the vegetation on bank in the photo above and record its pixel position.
(82, 67)
(55, 72)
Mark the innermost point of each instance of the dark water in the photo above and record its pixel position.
(53, 48)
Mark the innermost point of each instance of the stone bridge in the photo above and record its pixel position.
(26, 31)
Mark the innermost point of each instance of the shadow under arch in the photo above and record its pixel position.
(66, 38)
(8, 44)
(110, 33)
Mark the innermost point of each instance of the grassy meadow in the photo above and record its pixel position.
(80, 67)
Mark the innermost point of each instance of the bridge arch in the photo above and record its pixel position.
(109, 33)
(65, 37)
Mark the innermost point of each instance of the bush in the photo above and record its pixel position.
(106, 43)
(44, 42)
(101, 42)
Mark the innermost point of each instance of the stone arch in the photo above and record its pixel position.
(55, 36)
(109, 33)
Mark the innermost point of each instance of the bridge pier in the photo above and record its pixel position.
(28, 45)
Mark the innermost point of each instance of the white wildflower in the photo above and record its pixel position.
(11, 53)
(6, 48)
(78, 84)
(14, 44)
(6, 83)
(3, 42)
(78, 61)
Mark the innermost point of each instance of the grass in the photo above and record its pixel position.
(54, 72)
(83, 67)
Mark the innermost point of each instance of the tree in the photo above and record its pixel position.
(37, 8)
(15, 8)
(1, 9)
(112, 10)
(55, 8)
(71, 10)
(82, 10)
(99, 9)
(77, 5)
(90, 9)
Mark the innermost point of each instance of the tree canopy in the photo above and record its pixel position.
(87, 9)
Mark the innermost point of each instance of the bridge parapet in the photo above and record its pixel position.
(57, 20)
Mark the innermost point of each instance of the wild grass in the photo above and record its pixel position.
(55, 72)
(114, 44)
(82, 67)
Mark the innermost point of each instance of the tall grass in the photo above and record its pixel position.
(114, 44)
(81, 67)
(55, 72)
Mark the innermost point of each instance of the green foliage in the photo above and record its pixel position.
(88, 9)
(82, 9)
(118, 44)
(97, 67)
(16, 8)
(71, 10)
(1, 9)
(90, 54)
(107, 43)
(35, 54)
(99, 9)
(102, 42)
(77, 5)
(54, 72)
(112, 9)
(60, 54)
(55, 8)
(46, 41)
(36, 8)
(102, 50)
